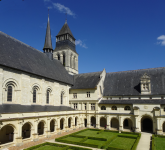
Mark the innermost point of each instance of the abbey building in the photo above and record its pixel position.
(41, 93)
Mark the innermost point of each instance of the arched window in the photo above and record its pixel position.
(47, 96)
(62, 96)
(114, 108)
(64, 60)
(34, 95)
(127, 108)
(103, 108)
(9, 93)
(58, 56)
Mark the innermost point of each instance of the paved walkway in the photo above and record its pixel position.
(53, 141)
(145, 141)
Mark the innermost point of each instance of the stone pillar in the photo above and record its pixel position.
(73, 122)
(47, 132)
(159, 130)
(88, 106)
(18, 136)
(120, 123)
(66, 124)
(108, 122)
(58, 125)
(97, 122)
(61, 58)
(136, 124)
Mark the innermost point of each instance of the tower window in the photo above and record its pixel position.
(47, 97)
(9, 93)
(34, 96)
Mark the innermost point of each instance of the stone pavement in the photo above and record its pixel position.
(145, 141)
(43, 140)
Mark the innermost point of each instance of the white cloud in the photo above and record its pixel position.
(63, 9)
(162, 40)
(79, 42)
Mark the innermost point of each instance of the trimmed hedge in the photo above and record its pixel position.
(124, 136)
(136, 142)
(153, 142)
(114, 148)
(130, 133)
(79, 136)
(108, 142)
(84, 139)
(111, 131)
(100, 131)
(96, 138)
(63, 147)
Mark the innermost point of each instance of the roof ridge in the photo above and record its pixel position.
(89, 72)
(135, 70)
(16, 40)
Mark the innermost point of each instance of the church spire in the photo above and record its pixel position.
(48, 40)
(48, 50)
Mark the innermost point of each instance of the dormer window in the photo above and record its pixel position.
(145, 84)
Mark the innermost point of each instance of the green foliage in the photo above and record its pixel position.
(153, 142)
(114, 148)
(100, 131)
(126, 136)
(84, 139)
(96, 138)
(111, 131)
(108, 142)
(136, 142)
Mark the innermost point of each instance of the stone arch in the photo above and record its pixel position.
(163, 127)
(62, 122)
(76, 121)
(52, 125)
(26, 130)
(70, 122)
(41, 126)
(115, 123)
(127, 123)
(103, 122)
(7, 133)
(146, 123)
(93, 121)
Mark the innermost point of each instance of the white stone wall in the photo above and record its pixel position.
(23, 90)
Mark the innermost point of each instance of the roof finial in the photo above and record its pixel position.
(48, 11)
(66, 18)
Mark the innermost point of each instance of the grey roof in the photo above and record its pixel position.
(15, 108)
(141, 101)
(48, 40)
(128, 82)
(86, 80)
(17, 55)
(64, 30)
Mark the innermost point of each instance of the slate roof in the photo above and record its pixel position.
(48, 40)
(17, 108)
(128, 82)
(17, 55)
(65, 29)
(141, 101)
(86, 80)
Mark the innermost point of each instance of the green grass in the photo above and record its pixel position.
(120, 142)
(90, 141)
(75, 139)
(159, 143)
(48, 147)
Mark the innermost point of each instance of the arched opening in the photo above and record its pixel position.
(127, 124)
(76, 121)
(64, 60)
(69, 123)
(146, 124)
(114, 108)
(35, 90)
(47, 96)
(127, 108)
(7, 134)
(40, 128)
(103, 122)
(85, 122)
(26, 131)
(62, 124)
(58, 57)
(103, 108)
(93, 122)
(163, 126)
(115, 123)
(52, 126)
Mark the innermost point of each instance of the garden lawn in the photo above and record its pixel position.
(48, 147)
(122, 142)
(159, 143)
(96, 142)
(75, 139)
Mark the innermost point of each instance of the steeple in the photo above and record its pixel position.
(48, 50)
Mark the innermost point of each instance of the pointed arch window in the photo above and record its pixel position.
(9, 93)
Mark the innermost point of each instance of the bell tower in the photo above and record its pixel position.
(65, 50)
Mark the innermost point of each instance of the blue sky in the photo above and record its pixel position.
(117, 35)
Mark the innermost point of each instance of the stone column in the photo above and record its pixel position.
(61, 58)
(120, 123)
(97, 122)
(66, 124)
(73, 122)
(47, 132)
(108, 122)
(136, 124)
(159, 130)
(18, 136)
(58, 125)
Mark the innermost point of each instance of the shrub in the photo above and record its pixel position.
(79, 136)
(126, 136)
(108, 142)
(96, 138)
(83, 140)
(136, 142)
(100, 131)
